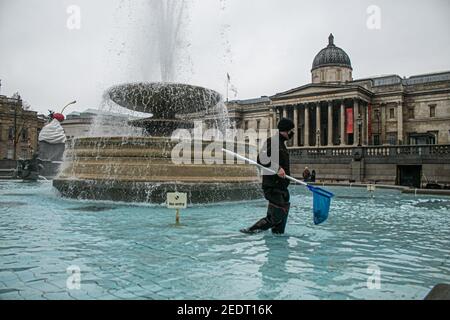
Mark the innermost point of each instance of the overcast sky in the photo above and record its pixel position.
(266, 46)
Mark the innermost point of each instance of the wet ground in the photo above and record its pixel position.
(122, 251)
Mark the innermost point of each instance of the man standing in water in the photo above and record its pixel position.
(275, 186)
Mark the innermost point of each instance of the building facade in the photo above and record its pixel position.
(335, 110)
(19, 129)
(92, 122)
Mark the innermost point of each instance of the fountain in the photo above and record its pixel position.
(141, 168)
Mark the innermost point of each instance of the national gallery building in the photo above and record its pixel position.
(335, 110)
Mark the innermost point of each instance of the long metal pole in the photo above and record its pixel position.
(69, 104)
(262, 167)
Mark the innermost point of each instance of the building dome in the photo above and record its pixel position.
(332, 56)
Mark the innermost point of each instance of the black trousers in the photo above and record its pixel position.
(277, 212)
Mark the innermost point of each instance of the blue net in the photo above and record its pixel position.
(321, 204)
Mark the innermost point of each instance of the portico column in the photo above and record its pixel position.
(355, 124)
(318, 129)
(364, 124)
(284, 112)
(343, 140)
(400, 122)
(306, 126)
(273, 123)
(296, 137)
(330, 123)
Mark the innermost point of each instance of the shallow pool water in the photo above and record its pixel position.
(135, 252)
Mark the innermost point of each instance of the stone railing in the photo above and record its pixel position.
(438, 151)
(9, 101)
(321, 152)
(374, 152)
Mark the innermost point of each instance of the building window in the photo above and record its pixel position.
(392, 138)
(339, 75)
(322, 75)
(391, 113)
(25, 134)
(24, 153)
(432, 111)
(433, 137)
(258, 124)
(246, 125)
(411, 113)
(11, 133)
(376, 139)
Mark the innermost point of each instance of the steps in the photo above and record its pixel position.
(8, 174)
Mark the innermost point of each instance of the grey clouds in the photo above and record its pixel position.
(266, 46)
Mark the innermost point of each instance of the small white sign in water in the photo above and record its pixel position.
(177, 200)
(371, 188)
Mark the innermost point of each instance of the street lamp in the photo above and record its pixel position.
(377, 115)
(318, 138)
(359, 123)
(69, 104)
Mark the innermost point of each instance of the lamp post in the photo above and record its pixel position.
(377, 116)
(69, 104)
(318, 138)
(359, 123)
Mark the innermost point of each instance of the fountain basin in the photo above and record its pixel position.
(140, 169)
(164, 100)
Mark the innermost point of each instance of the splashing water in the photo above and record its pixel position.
(169, 20)
(114, 122)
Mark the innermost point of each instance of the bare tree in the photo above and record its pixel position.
(22, 121)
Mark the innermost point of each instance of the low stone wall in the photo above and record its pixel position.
(373, 164)
(8, 164)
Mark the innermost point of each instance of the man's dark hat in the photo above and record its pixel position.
(286, 125)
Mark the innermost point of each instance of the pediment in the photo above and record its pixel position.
(310, 89)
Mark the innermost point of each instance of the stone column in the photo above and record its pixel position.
(400, 122)
(296, 137)
(364, 124)
(273, 123)
(318, 128)
(306, 126)
(330, 123)
(284, 115)
(343, 140)
(355, 124)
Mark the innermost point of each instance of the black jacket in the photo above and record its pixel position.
(274, 181)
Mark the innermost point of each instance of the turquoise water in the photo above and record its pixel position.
(135, 252)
